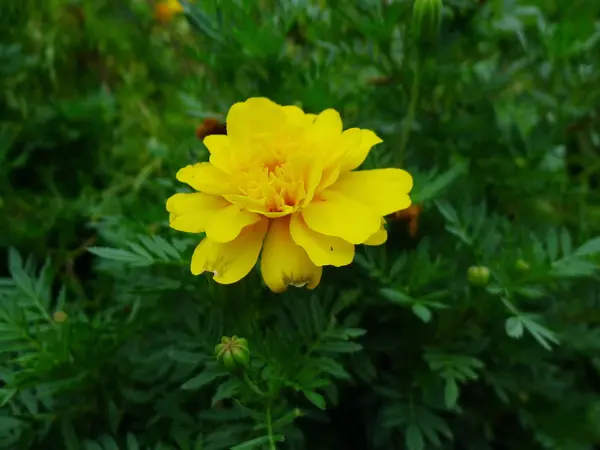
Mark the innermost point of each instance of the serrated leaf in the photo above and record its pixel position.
(333, 368)
(227, 389)
(316, 399)
(435, 187)
(514, 327)
(202, 379)
(117, 254)
(414, 438)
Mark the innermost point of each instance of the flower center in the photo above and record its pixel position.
(275, 184)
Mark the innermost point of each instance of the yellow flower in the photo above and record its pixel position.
(283, 182)
(165, 10)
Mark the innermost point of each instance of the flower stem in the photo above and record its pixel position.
(412, 108)
(270, 429)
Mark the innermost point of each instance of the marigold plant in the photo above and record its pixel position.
(283, 181)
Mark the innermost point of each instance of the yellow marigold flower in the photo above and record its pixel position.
(165, 10)
(283, 181)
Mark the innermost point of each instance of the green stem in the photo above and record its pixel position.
(270, 429)
(412, 109)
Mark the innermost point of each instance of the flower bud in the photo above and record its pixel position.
(426, 19)
(233, 352)
(479, 275)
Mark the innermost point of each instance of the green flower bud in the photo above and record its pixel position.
(479, 275)
(233, 352)
(426, 19)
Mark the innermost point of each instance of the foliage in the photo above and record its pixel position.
(108, 340)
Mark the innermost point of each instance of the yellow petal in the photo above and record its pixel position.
(192, 212)
(296, 116)
(322, 250)
(229, 222)
(231, 261)
(378, 238)
(284, 263)
(328, 122)
(384, 190)
(356, 154)
(334, 214)
(206, 178)
(254, 116)
(221, 152)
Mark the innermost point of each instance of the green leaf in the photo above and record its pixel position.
(8, 423)
(514, 327)
(132, 442)
(433, 188)
(253, 443)
(339, 347)
(396, 296)
(333, 368)
(69, 435)
(6, 395)
(227, 389)
(590, 247)
(116, 254)
(108, 443)
(316, 399)
(422, 312)
(414, 438)
(202, 379)
(451, 393)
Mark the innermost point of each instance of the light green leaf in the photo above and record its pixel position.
(590, 247)
(514, 327)
(422, 312)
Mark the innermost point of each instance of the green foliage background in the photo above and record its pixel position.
(498, 122)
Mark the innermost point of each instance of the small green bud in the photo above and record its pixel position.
(521, 265)
(479, 275)
(426, 19)
(233, 352)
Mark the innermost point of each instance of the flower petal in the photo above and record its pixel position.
(192, 212)
(322, 250)
(334, 214)
(385, 190)
(328, 122)
(231, 261)
(378, 238)
(227, 224)
(206, 178)
(356, 154)
(284, 263)
(221, 152)
(254, 116)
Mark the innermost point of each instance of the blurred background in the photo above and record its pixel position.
(491, 101)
